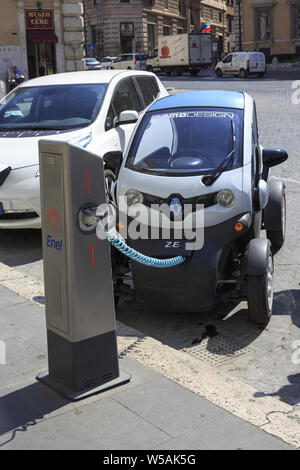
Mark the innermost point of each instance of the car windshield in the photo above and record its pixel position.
(185, 141)
(51, 107)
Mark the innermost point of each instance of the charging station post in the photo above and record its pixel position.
(80, 314)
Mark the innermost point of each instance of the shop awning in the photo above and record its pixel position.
(42, 35)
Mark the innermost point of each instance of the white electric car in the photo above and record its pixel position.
(195, 159)
(85, 108)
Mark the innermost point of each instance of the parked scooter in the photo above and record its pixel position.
(14, 78)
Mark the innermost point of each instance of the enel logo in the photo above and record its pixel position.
(56, 245)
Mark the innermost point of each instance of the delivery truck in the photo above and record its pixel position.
(181, 53)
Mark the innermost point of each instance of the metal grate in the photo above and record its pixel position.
(217, 350)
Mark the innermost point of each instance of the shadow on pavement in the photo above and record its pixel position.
(23, 408)
(287, 302)
(289, 394)
(18, 247)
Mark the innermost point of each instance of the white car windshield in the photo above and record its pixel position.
(187, 141)
(55, 107)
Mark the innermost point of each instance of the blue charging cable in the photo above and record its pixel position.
(138, 257)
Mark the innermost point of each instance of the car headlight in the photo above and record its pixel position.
(225, 198)
(134, 197)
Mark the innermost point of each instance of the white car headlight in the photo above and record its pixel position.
(134, 197)
(226, 198)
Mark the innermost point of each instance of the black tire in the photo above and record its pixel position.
(149, 68)
(109, 179)
(243, 73)
(219, 73)
(260, 299)
(261, 74)
(194, 73)
(128, 68)
(275, 212)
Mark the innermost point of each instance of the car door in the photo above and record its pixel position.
(148, 89)
(227, 64)
(125, 97)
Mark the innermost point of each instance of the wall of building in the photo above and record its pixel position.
(68, 24)
(282, 41)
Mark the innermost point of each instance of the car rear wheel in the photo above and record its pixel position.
(260, 293)
(243, 73)
(261, 74)
(219, 73)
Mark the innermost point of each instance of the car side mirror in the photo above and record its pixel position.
(273, 157)
(114, 161)
(127, 117)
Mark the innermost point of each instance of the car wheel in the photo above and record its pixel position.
(194, 73)
(243, 73)
(219, 73)
(275, 214)
(128, 68)
(109, 179)
(149, 68)
(261, 75)
(260, 293)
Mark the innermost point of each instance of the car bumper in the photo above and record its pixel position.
(191, 286)
(20, 200)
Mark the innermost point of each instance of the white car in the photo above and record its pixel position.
(85, 108)
(106, 62)
(130, 61)
(90, 63)
(242, 64)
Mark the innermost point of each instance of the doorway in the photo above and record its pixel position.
(41, 57)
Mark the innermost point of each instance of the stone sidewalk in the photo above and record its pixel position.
(150, 412)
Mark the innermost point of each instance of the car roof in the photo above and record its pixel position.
(92, 76)
(213, 98)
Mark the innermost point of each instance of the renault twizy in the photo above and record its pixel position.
(200, 151)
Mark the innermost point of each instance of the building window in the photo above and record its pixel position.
(298, 22)
(264, 25)
(181, 7)
(166, 4)
(220, 18)
(229, 25)
(166, 30)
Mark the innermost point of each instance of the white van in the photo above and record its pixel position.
(242, 64)
(130, 61)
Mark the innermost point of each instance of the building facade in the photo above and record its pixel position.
(270, 26)
(41, 37)
(118, 26)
